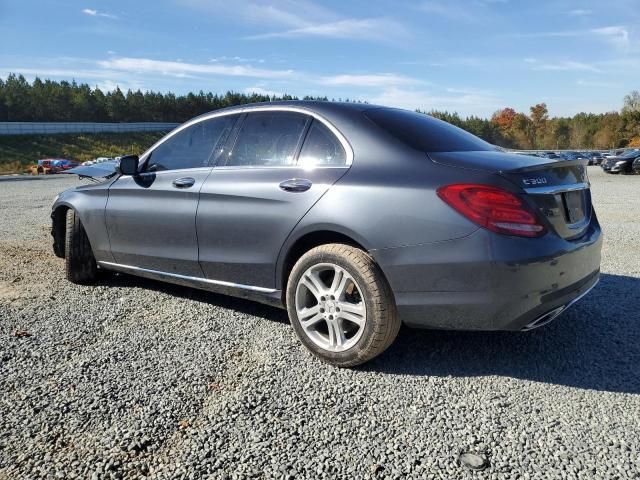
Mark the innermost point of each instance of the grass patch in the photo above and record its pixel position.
(18, 152)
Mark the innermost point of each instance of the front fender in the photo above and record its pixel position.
(89, 203)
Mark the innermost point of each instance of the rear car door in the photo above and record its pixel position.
(151, 217)
(280, 165)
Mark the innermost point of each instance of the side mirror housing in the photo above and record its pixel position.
(128, 165)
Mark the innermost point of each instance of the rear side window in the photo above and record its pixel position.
(321, 147)
(192, 147)
(268, 139)
(424, 132)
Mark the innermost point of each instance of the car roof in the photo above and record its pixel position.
(328, 109)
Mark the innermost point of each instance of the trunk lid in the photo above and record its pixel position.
(557, 189)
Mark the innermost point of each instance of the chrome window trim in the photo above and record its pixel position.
(569, 187)
(264, 108)
(176, 171)
(188, 278)
(279, 167)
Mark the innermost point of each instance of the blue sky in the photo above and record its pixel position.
(469, 56)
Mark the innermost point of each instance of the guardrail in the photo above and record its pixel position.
(52, 128)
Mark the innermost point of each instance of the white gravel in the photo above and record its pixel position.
(134, 378)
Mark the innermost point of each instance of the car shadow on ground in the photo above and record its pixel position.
(110, 279)
(593, 345)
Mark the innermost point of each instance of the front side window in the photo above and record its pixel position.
(321, 147)
(192, 147)
(268, 139)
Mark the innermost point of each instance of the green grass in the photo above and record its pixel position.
(18, 152)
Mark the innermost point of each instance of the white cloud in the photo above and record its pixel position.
(617, 35)
(262, 91)
(236, 59)
(66, 73)
(184, 69)
(579, 12)
(469, 103)
(300, 18)
(562, 66)
(597, 84)
(95, 13)
(450, 10)
(364, 29)
(282, 13)
(368, 80)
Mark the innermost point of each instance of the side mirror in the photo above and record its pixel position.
(128, 165)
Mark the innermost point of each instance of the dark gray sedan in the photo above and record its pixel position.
(355, 218)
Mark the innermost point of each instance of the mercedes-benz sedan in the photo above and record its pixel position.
(355, 218)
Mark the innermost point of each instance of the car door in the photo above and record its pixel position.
(151, 217)
(280, 165)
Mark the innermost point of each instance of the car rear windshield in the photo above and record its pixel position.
(425, 133)
(630, 154)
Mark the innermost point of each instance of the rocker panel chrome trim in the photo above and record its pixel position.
(186, 277)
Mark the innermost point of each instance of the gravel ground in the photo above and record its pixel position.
(134, 378)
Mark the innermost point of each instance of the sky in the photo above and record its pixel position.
(468, 56)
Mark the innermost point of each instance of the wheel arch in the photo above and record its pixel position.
(59, 228)
(305, 241)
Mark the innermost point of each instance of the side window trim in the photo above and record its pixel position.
(238, 128)
(229, 142)
(332, 132)
(146, 156)
(242, 111)
(303, 137)
(232, 141)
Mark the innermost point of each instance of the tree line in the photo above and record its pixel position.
(52, 101)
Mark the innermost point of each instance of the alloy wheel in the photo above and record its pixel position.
(330, 307)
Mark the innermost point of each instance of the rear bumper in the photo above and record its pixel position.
(487, 281)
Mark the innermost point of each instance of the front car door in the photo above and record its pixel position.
(280, 165)
(151, 216)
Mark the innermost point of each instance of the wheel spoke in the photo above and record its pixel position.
(306, 313)
(341, 287)
(337, 279)
(336, 333)
(310, 322)
(353, 312)
(314, 284)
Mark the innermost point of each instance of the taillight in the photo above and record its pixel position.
(493, 208)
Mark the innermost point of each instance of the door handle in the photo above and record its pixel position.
(296, 185)
(184, 182)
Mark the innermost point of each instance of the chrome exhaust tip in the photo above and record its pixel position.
(544, 319)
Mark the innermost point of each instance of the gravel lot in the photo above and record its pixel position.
(134, 378)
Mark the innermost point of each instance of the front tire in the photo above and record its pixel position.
(341, 306)
(80, 264)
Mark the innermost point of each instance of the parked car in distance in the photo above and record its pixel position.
(354, 217)
(62, 164)
(48, 166)
(594, 158)
(97, 160)
(569, 155)
(622, 163)
(550, 155)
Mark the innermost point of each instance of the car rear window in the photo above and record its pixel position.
(425, 133)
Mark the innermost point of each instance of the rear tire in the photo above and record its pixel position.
(341, 306)
(80, 264)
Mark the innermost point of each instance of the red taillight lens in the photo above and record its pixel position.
(493, 208)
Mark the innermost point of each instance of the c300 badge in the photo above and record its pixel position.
(534, 181)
